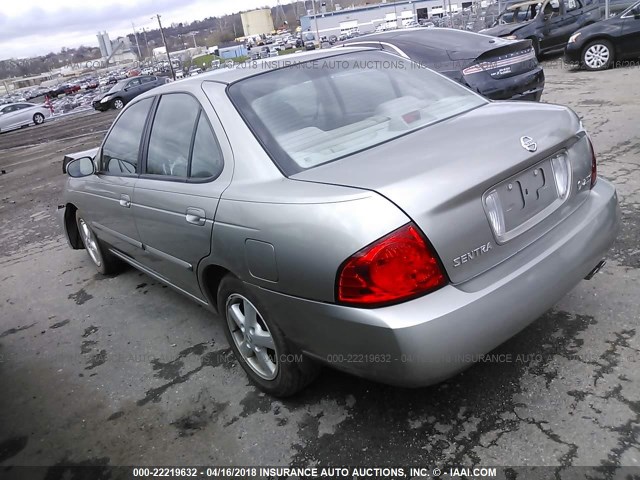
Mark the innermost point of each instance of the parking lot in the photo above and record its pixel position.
(123, 371)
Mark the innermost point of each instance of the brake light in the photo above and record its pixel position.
(594, 165)
(396, 267)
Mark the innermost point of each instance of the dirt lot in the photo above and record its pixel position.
(122, 371)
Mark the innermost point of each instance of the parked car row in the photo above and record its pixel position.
(574, 27)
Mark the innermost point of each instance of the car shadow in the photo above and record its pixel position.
(446, 420)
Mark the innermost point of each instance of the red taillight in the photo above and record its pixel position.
(594, 166)
(397, 267)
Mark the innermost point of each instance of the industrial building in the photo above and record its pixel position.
(118, 51)
(389, 14)
(233, 51)
(257, 22)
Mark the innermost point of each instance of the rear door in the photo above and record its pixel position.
(148, 83)
(132, 89)
(188, 165)
(108, 195)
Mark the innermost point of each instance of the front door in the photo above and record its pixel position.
(556, 25)
(630, 38)
(109, 193)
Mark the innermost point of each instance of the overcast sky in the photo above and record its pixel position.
(37, 27)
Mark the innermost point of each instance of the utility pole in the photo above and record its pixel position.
(315, 17)
(137, 43)
(146, 43)
(395, 14)
(164, 40)
(195, 45)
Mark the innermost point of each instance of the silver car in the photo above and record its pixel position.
(347, 208)
(15, 115)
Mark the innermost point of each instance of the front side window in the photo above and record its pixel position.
(171, 135)
(571, 5)
(120, 149)
(311, 113)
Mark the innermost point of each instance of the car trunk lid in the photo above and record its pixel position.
(441, 177)
(506, 60)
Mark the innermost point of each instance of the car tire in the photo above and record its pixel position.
(38, 118)
(105, 262)
(117, 103)
(271, 362)
(597, 55)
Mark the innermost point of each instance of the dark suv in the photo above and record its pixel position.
(125, 90)
(548, 23)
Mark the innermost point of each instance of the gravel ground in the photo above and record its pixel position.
(122, 371)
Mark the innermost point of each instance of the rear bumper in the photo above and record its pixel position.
(526, 86)
(432, 338)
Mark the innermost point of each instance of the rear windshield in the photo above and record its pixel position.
(315, 112)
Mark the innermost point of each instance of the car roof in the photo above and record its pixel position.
(443, 38)
(515, 6)
(18, 103)
(255, 67)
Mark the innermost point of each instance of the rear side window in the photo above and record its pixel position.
(120, 149)
(206, 160)
(171, 135)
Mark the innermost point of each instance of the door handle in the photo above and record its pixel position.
(196, 216)
(125, 201)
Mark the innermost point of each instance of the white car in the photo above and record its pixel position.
(15, 115)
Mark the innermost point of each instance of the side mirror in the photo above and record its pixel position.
(81, 167)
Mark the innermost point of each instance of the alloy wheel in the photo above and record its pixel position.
(252, 337)
(597, 56)
(38, 118)
(118, 104)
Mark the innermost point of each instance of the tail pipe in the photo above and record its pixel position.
(595, 270)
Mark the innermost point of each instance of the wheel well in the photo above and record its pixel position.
(211, 278)
(71, 227)
(594, 39)
(601, 37)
